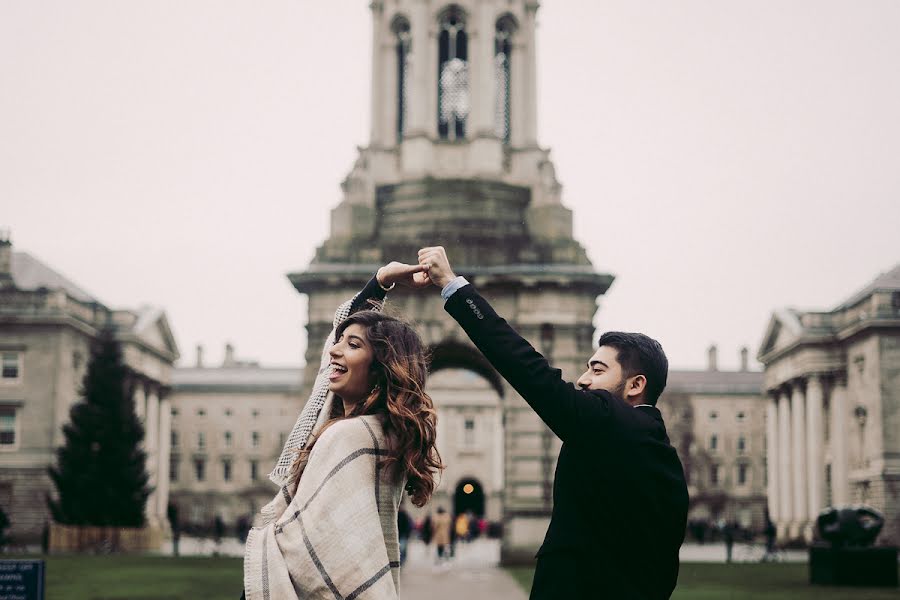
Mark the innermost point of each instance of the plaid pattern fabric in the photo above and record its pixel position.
(336, 539)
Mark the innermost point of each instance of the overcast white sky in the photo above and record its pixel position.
(722, 158)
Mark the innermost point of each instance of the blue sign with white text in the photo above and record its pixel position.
(21, 580)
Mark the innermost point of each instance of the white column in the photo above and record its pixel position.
(140, 403)
(772, 456)
(378, 98)
(151, 443)
(798, 446)
(786, 507)
(165, 449)
(815, 449)
(481, 70)
(530, 130)
(419, 66)
(838, 439)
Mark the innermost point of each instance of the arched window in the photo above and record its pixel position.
(453, 75)
(502, 52)
(400, 27)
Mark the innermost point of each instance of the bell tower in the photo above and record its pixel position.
(453, 160)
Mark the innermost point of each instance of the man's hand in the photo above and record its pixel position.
(412, 276)
(434, 261)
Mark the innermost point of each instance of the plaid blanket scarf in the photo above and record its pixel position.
(336, 538)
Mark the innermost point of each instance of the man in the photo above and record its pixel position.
(619, 495)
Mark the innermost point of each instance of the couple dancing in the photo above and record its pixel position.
(367, 434)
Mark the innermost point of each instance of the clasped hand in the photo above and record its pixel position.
(433, 268)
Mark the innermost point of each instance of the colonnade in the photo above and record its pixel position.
(796, 451)
(154, 410)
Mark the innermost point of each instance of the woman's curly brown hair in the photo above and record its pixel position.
(399, 368)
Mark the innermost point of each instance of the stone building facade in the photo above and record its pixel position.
(229, 424)
(47, 326)
(716, 421)
(833, 412)
(453, 159)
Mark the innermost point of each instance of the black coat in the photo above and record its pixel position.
(619, 496)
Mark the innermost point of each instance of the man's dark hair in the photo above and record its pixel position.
(640, 355)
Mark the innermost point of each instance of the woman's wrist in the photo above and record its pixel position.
(379, 277)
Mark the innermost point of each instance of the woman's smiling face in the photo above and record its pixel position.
(351, 361)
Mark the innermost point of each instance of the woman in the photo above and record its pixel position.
(366, 434)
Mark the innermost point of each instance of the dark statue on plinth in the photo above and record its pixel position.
(848, 555)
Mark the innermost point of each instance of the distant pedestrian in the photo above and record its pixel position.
(728, 531)
(404, 526)
(770, 533)
(174, 524)
(462, 527)
(427, 531)
(441, 524)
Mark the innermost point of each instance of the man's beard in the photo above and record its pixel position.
(619, 391)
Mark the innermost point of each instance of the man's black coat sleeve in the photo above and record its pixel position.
(574, 415)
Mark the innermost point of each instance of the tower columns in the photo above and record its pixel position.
(380, 62)
(530, 125)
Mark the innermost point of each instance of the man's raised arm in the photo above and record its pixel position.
(569, 412)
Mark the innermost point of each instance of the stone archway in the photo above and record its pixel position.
(469, 497)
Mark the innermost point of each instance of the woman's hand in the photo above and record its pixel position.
(411, 276)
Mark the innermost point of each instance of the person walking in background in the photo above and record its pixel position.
(620, 498)
(461, 527)
(441, 527)
(404, 527)
(728, 532)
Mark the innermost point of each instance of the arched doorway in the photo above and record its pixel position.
(469, 497)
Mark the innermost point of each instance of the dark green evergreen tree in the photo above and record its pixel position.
(100, 475)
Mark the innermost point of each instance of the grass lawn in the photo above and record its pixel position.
(750, 581)
(143, 578)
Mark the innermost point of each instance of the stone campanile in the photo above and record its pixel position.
(453, 160)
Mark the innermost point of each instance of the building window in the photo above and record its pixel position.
(200, 469)
(469, 432)
(502, 53)
(201, 412)
(254, 439)
(228, 439)
(173, 469)
(742, 474)
(8, 427)
(402, 44)
(713, 442)
(741, 445)
(714, 475)
(174, 412)
(226, 470)
(254, 470)
(201, 440)
(227, 412)
(254, 413)
(11, 366)
(453, 75)
(713, 415)
(173, 439)
(740, 416)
